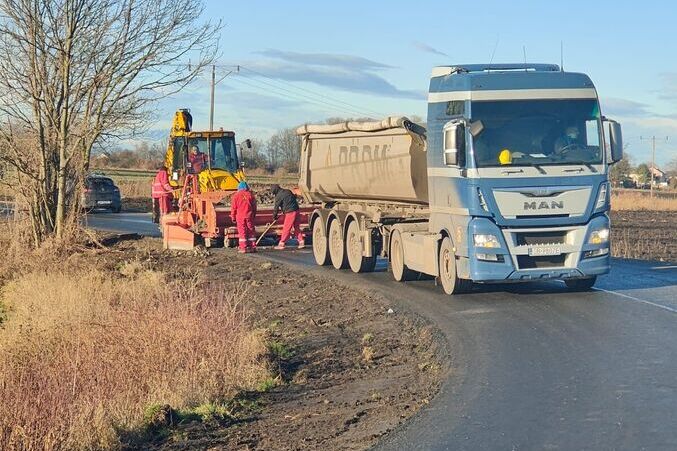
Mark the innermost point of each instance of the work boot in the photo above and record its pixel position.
(242, 250)
(280, 246)
(251, 250)
(302, 244)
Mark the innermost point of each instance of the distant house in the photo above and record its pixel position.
(658, 175)
(660, 178)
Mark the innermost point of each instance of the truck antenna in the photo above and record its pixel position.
(561, 56)
(524, 50)
(493, 52)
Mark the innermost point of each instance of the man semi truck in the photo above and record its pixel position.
(508, 183)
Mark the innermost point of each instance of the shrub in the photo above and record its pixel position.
(82, 356)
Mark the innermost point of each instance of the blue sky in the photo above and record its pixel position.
(353, 58)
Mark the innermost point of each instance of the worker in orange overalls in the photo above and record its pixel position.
(161, 193)
(243, 212)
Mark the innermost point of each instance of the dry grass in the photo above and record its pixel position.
(642, 201)
(83, 355)
(135, 187)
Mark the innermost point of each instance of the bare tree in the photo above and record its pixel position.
(77, 72)
(284, 149)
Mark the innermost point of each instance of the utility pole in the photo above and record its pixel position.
(653, 159)
(213, 87)
(211, 103)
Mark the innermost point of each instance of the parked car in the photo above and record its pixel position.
(101, 192)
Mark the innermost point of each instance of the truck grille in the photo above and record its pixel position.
(532, 238)
(529, 262)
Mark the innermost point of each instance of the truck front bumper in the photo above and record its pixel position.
(570, 255)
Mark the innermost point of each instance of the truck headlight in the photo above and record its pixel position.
(599, 236)
(486, 240)
(601, 197)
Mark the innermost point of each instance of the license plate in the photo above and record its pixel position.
(543, 251)
(103, 202)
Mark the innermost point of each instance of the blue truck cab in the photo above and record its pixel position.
(518, 158)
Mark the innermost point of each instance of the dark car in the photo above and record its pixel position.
(101, 192)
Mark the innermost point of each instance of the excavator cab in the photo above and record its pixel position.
(222, 171)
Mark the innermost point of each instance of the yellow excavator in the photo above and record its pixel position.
(222, 171)
(202, 215)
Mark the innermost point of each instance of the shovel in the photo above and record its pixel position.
(268, 226)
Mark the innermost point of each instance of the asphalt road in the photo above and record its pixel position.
(140, 223)
(534, 367)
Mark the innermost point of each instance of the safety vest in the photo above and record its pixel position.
(161, 186)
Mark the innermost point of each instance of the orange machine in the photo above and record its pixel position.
(201, 216)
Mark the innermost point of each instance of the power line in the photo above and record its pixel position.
(286, 87)
(308, 91)
(266, 87)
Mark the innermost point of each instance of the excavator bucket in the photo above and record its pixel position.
(175, 236)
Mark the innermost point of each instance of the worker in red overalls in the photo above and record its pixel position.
(197, 160)
(162, 194)
(242, 212)
(286, 201)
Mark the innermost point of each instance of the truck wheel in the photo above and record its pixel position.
(320, 248)
(451, 284)
(400, 270)
(581, 284)
(337, 248)
(358, 263)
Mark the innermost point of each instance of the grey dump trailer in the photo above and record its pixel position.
(371, 179)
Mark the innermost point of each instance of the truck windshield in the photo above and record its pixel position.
(221, 151)
(537, 132)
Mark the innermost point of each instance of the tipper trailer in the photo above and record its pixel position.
(508, 183)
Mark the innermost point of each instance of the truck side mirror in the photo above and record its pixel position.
(615, 140)
(454, 144)
(248, 143)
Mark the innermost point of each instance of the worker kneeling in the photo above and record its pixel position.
(286, 201)
(242, 212)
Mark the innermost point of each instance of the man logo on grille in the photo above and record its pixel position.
(543, 205)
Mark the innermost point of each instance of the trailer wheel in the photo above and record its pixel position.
(358, 263)
(581, 284)
(400, 270)
(320, 247)
(337, 248)
(451, 284)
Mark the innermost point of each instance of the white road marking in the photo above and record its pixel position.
(643, 301)
(664, 267)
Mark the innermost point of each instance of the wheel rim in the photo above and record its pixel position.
(396, 259)
(336, 245)
(319, 242)
(354, 248)
(447, 267)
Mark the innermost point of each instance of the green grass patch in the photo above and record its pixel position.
(267, 384)
(280, 350)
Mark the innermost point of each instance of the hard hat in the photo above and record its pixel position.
(242, 185)
(505, 157)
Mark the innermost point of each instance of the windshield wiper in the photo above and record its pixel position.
(508, 171)
(590, 167)
(539, 168)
